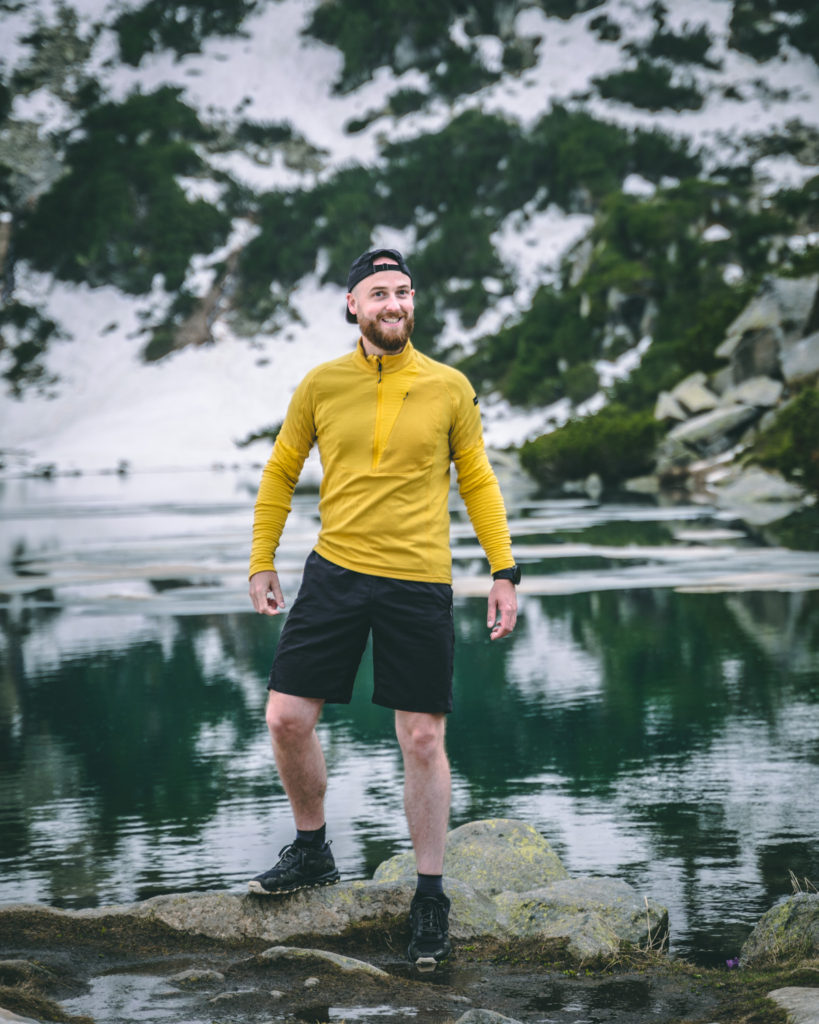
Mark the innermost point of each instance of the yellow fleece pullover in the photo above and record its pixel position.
(387, 429)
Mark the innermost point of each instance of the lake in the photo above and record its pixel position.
(655, 714)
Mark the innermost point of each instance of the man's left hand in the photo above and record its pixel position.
(503, 609)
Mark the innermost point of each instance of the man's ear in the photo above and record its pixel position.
(351, 303)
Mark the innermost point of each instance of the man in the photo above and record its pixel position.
(388, 422)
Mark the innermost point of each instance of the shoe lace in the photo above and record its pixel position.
(428, 918)
(289, 855)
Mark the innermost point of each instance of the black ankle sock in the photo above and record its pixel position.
(430, 885)
(314, 839)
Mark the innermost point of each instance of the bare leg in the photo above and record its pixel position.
(299, 758)
(426, 786)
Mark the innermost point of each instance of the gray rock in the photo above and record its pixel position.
(779, 302)
(7, 1017)
(800, 361)
(764, 392)
(755, 486)
(693, 394)
(642, 485)
(194, 978)
(714, 431)
(489, 856)
(668, 408)
(757, 354)
(801, 1004)
(788, 931)
(235, 995)
(596, 915)
(347, 964)
(12, 972)
(333, 910)
(485, 1017)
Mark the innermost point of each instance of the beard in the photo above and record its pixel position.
(389, 340)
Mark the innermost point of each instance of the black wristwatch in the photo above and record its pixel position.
(512, 574)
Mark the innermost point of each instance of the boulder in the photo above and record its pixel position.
(714, 431)
(780, 302)
(490, 856)
(757, 354)
(668, 408)
(503, 878)
(345, 964)
(800, 361)
(788, 931)
(485, 1017)
(693, 394)
(800, 1004)
(754, 485)
(596, 915)
(8, 1017)
(763, 392)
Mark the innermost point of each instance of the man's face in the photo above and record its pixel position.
(383, 305)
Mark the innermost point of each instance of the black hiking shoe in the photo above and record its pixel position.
(298, 867)
(429, 924)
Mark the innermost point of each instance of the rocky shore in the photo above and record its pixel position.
(531, 944)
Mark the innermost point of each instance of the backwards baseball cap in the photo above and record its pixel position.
(367, 264)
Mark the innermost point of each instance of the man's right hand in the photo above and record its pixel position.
(265, 593)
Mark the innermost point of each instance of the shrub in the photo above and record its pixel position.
(568, 8)
(371, 35)
(689, 47)
(605, 29)
(752, 31)
(791, 445)
(24, 338)
(650, 87)
(580, 382)
(615, 443)
(118, 216)
(180, 27)
(406, 101)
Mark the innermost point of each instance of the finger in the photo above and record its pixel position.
(508, 620)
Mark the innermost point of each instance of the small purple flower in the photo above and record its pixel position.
(733, 963)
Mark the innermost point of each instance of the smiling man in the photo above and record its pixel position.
(389, 422)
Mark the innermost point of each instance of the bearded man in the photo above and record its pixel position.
(388, 422)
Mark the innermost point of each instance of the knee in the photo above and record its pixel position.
(287, 722)
(422, 740)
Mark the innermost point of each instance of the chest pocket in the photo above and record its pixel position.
(420, 433)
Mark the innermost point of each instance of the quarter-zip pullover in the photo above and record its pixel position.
(387, 428)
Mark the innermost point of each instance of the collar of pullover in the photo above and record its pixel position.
(385, 363)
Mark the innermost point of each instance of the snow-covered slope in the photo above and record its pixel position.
(108, 406)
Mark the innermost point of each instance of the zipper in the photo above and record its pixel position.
(377, 431)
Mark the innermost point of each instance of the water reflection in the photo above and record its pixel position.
(669, 738)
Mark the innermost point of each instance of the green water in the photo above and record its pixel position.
(652, 723)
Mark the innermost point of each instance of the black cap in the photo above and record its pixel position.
(367, 264)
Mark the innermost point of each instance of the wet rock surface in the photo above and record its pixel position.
(567, 947)
(136, 972)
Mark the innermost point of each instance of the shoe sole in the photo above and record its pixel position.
(259, 890)
(425, 964)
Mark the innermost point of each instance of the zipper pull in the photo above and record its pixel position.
(379, 369)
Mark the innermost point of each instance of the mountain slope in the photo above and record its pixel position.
(543, 166)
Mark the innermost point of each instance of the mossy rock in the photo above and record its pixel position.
(492, 856)
(788, 931)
